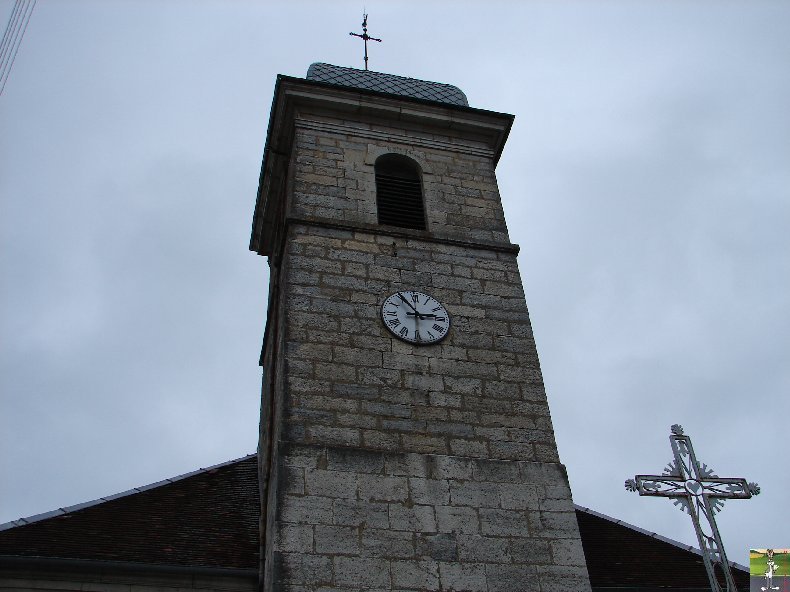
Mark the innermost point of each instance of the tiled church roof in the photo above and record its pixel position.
(205, 519)
(387, 83)
(623, 556)
(209, 518)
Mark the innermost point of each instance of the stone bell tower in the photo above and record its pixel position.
(405, 437)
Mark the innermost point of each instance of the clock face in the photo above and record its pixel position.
(415, 317)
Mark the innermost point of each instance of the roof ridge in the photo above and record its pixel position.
(653, 535)
(81, 506)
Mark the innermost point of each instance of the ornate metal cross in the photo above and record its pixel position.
(700, 493)
(365, 37)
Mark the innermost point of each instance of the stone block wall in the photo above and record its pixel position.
(333, 177)
(353, 519)
(349, 382)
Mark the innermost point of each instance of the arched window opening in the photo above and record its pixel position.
(399, 192)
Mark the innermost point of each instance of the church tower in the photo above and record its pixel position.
(405, 436)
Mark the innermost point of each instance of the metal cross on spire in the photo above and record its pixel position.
(698, 491)
(365, 37)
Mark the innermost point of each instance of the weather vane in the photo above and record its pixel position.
(365, 38)
(697, 490)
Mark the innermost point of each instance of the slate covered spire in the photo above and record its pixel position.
(387, 83)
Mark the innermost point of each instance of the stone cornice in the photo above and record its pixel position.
(336, 128)
(407, 233)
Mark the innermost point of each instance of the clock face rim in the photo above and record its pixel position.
(412, 341)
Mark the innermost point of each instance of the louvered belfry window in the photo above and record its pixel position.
(399, 192)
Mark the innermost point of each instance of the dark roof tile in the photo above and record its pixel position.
(206, 519)
(387, 83)
(619, 556)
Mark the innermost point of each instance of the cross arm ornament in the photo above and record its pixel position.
(701, 493)
(365, 37)
(719, 487)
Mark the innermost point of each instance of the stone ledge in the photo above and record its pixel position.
(391, 231)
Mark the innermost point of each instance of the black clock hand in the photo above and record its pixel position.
(402, 297)
(422, 316)
(411, 305)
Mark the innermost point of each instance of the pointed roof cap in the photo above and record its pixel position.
(387, 83)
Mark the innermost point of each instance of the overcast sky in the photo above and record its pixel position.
(646, 178)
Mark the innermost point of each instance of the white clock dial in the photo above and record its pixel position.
(415, 317)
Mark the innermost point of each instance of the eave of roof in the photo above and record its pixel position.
(82, 565)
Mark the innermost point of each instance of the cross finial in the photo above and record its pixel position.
(697, 490)
(365, 37)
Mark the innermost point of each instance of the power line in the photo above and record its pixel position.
(12, 38)
(16, 31)
(10, 31)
